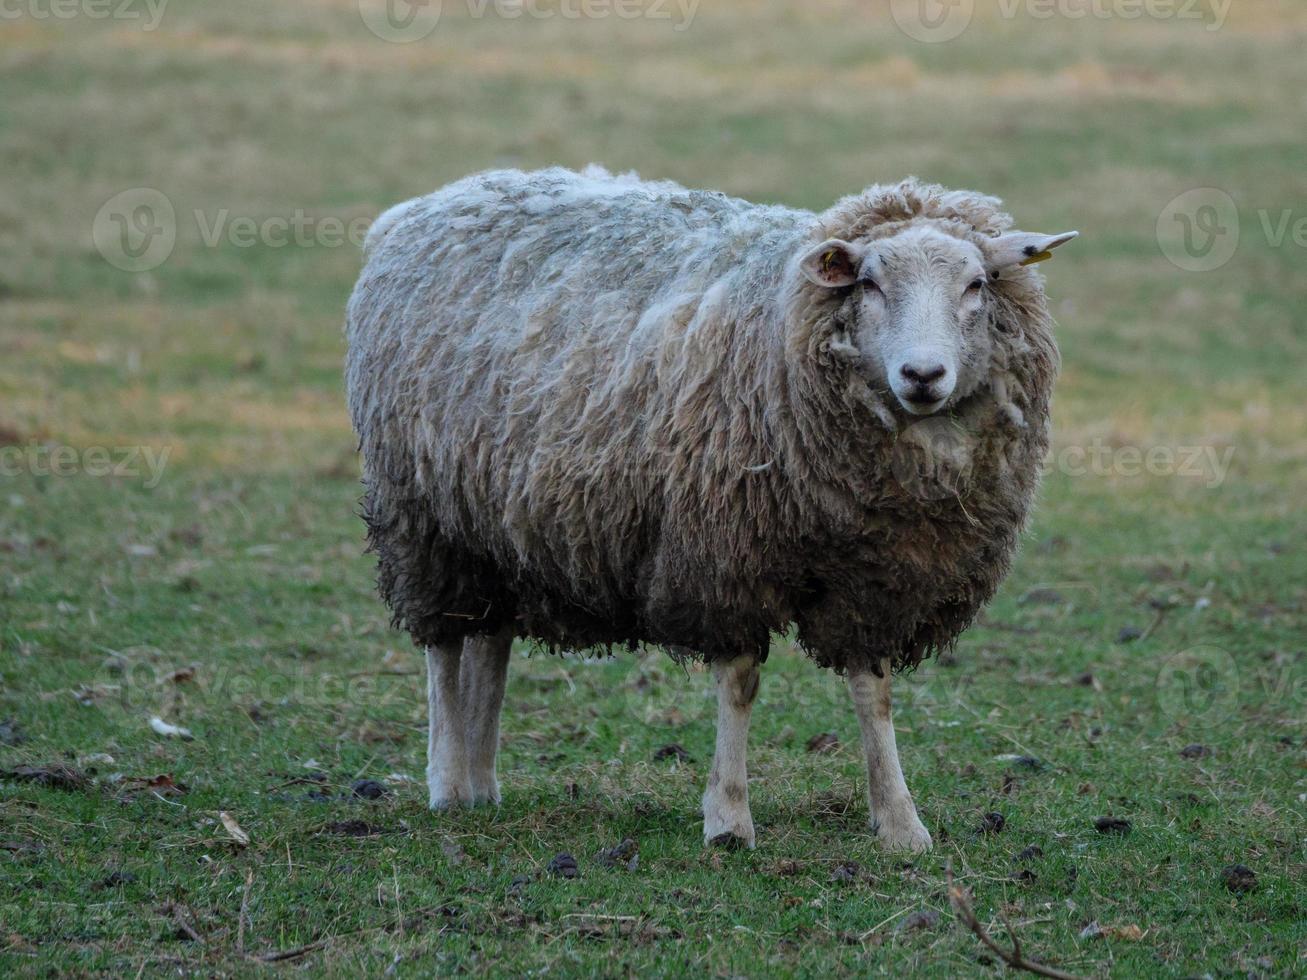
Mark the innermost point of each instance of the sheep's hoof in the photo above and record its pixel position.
(904, 835)
(733, 832)
(728, 841)
(449, 796)
(443, 803)
(485, 791)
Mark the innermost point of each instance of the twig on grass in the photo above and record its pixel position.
(863, 937)
(1157, 621)
(179, 913)
(280, 956)
(961, 903)
(245, 908)
(291, 954)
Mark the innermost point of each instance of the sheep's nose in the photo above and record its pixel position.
(923, 374)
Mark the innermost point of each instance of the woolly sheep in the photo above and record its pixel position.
(596, 411)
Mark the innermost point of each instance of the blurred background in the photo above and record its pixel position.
(238, 149)
(255, 140)
(184, 188)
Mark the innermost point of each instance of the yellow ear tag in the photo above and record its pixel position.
(1041, 257)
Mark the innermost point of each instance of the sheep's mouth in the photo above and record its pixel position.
(921, 403)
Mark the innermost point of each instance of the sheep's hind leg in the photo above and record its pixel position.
(726, 817)
(893, 814)
(447, 769)
(481, 690)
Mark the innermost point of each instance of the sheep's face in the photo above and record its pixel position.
(920, 296)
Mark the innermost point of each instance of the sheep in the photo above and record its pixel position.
(597, 412)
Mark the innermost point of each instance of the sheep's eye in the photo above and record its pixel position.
(871, 285)
(975, 284)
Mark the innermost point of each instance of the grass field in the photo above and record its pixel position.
(216, 578)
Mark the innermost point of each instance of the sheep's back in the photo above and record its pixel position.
(537, 364)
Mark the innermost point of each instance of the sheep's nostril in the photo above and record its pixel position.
(923, 374)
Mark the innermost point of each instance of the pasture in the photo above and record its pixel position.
(179, 534)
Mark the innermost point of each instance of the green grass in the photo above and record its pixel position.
(244, 562)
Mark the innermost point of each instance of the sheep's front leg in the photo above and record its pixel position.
(726, 817)
(893, 814)
(483, 675)
(447, 767)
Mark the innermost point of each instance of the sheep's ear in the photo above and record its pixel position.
(833, 263)
(1022, 248)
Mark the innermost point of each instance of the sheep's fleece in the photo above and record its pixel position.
(606, 411)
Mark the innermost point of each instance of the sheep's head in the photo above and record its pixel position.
(919, 299)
